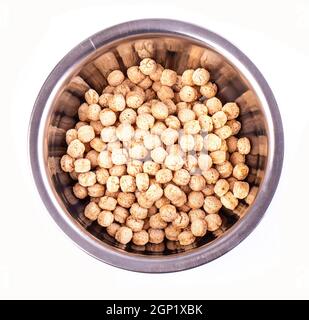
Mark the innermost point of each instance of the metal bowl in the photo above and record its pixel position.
(179, 46)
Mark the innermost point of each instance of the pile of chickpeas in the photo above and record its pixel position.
(157, 155)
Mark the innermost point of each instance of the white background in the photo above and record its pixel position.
(38, 261)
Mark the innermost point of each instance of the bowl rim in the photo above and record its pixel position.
(196, 256)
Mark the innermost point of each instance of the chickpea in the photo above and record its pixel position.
(231, 181)
(135, 74)
(197, 183)
(157, 128)
(231, 109)
(92, 211)
(240, 171)
(168, 77)
(91, 96)
(218, 157)
(87, 179)
(186, 77)
(199, 227)
(156, 222)
(134, 224)
(209, 90)
(195, 199)
(221, 187)
(182, 221)
(165, 93)
(213, 221)
(151, 141)
(112, 229)
(156, 235)
(158, 155)
(168, 213)
(144, 201)
(102, 175)
(115, 78)
(154, 192)
(82, 165)
(118, 170)
(200, 109)
(169, 136)
(235, 126)
(164, 176)
(172, 122)
(97, 126)
(186, 238)
(108, 134)
(229, 201)
(174, 162)
(80, 124)
(145, 121)
(120, 214)
(138, 151)
(83, 112)
(93, 112)
(124, 235)
(170, 105)
(171, 232)
(212, 142)
(219, 119)
(128, 115)
(172, 192)
(196, 214)
(212, 204)
(186, 142)
(161, 202)
(67, 163)
(107, 117)
(185, 115)
(112, 184)
(134, 167)
(188, 94)
(224, 132)
(156, 86)
(206, 123)
(142, 181)
(231, 144)
(105, 218)
(127, 183)
(107, 203)
(208, 190)
(125, 199)
(76, 149)
(105, 159)
(79, 191)
(243, 146)
(97, 144)
(148, 66)
(204, 161)
(151, 167)
(156, 75)
(200, 76)
(190, 163)
(181, 177)
(104, 99)
(134, 99)
(241, 189)
(140, 238)
(236, 158)
(225, 169)
(70, 135)
(214, 105)
(159, 110)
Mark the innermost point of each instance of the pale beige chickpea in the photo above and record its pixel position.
(198, 142)
(199, 228)
(200, 109)
(218, 157)
(212, 204)
(93, 112)
(190, 163)
(173, 122)
(164, 176)
(91, 96)
(224, 148)
(126, 199)
(229, 201)
(156, 222)
(134, 167)
(87, 179)
(140, 238)
(138, 212)
(128, 115)
(182, 221)
(92, 211)
(105, 218)
(172, 192)
(231, 144)
(144, 201)
(108, 134)
(186, 238)
(138, 137)
(135, 74)
(204, 161)
(97, 144)
(102, 175)
(234, 125)
(188, 94)
(124, 235)
(134, 99)
(214, 105)
(208, 190)
(83, 112)
(181, 177)
(151, 167)
(231, 181)
(97, 126)
(197, 183)
(80, 124)
(125, 132)
(169, 136)
(209, 90)
(156, 86)
(200, 76)
(107, 117)
(170, 105)
(112, 184)
(107, 203)
(196, 214)
(186, 142)
(221, 187)
(127, 183)
(154, 192)
(120, 214)
(96, 191)
(105, 159)
(151, 141)
(158, 128)
(178, 85)
(70, 135)
(82, 165)
(186, 77)
(192, 127)
(159, 110)
(213, 221)
(205, 123)
(241, 189)
(165, 93)
(112, 229)
(161, 202)
(67, 163)
(134, 224)
(171, 232)
(104, 99)
(79, 191)
(148, 66)
(142, 181)
(240, 171)
(219, 119)
(118, 170)
(212, 142)
(183, 105)
(158, 155)
(145, 121)
(168, 213)
(231, 109)
(196, 199)
(115, 78)
(225, 169)
(156, 75)
(243, 145)
(144, 108)
(85, 134)
(156, 236)
(122, 88)
(224, 132)
(76, 149)
(174, 162)
(236, 158)
(168, 77)
(181, 201)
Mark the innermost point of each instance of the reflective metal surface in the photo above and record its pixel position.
(179, 46)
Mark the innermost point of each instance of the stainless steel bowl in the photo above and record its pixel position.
(176, 45)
